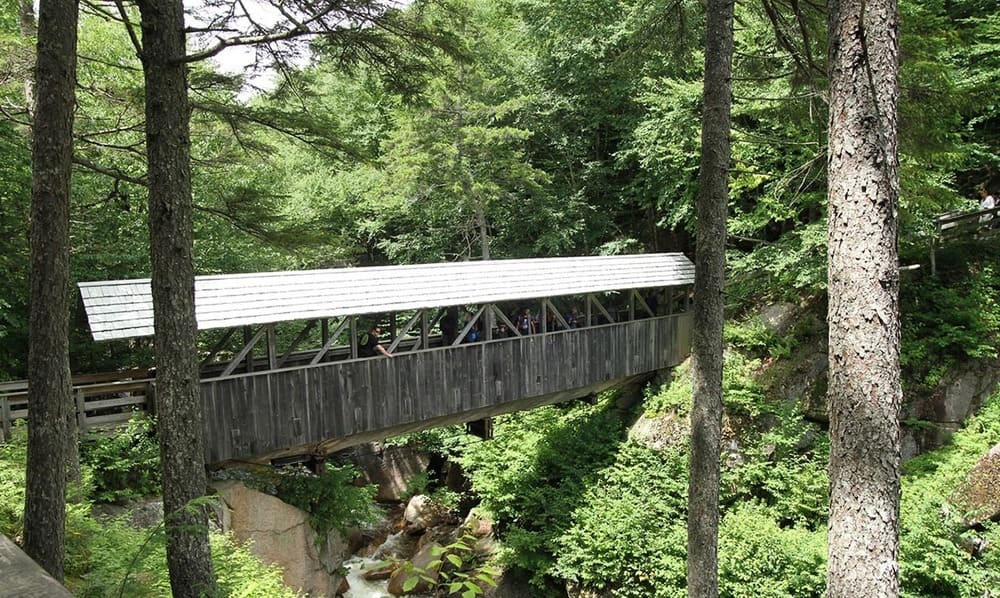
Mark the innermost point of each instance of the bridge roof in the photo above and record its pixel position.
(120, 309)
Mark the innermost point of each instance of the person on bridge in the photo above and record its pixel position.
(987, 202)
(370, 346)
(525, 323)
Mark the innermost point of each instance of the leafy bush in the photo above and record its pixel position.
(13, 456)
(131, 562)
(125, 462)
(760, 559)
(533, 473)
(949, 320)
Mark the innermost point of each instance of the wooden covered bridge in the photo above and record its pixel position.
(285, 376)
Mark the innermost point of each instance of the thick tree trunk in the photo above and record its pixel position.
(864, 393)
(710, 265)
(171, 213)
(48, 349)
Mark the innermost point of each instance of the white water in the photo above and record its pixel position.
(361, 587)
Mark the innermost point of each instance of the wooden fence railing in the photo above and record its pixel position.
(99, 400)
(953, 226)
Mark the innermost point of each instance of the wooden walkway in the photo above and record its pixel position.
(21, 577)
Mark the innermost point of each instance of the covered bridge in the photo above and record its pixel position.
(285, 376)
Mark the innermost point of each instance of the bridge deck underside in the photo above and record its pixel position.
(326, 407)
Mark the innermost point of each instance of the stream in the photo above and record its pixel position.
(361, 587)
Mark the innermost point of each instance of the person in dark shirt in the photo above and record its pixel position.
(449, 326)
(370, 345)
(502, 332)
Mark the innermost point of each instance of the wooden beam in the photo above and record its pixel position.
(468, 327)
(589, 314)
(506, 320)
(247, 349)
(402, 334)
(354, 336)
(425, 330)
(600, 308)
(558, 315)
(217, 347)
(301, 336)
(544, 316)
(642, 303)
(332, 338)
(272, 357)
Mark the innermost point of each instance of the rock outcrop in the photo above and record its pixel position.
(281, 534)
(392, 468)
(978, 497)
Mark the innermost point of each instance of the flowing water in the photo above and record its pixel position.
(361, 587)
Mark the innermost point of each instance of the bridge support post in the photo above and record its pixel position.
(4, 419)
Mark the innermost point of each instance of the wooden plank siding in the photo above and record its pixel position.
(324, 407)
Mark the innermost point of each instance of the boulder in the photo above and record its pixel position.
(421, 513)
(779, 317)
(280, 534)
(978, 497)
(420, 565)
(659, 432)
(391, 468)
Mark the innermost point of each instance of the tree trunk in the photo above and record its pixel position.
(864, 387)
(710, 266)
(171, 213)
(48, 350)
(29, 29)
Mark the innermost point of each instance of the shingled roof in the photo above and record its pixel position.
(120, 309)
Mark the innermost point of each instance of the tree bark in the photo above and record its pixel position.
(863, 282)
(48, 349)
(710, 266)
(171, 214)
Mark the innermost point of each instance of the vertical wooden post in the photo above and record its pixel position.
(589, 310)
(151, 398)
(272, 357)
(81, 410)
(324, 331)
(668, 294)
(247, 336)
(631, 305)
(354, 336)
(425, 329)
(5, 431)
(488, 321)
(544, 316)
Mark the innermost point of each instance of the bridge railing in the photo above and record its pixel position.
(320, 408)
(100, 401)
(951, 226)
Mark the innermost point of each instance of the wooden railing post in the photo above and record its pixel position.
(81, 409)
(151, 398)
(5, 431)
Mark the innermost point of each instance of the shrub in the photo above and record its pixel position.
(125, 462)
(13, 456)
(760, 559)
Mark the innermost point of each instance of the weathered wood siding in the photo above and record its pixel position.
(318, 408)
